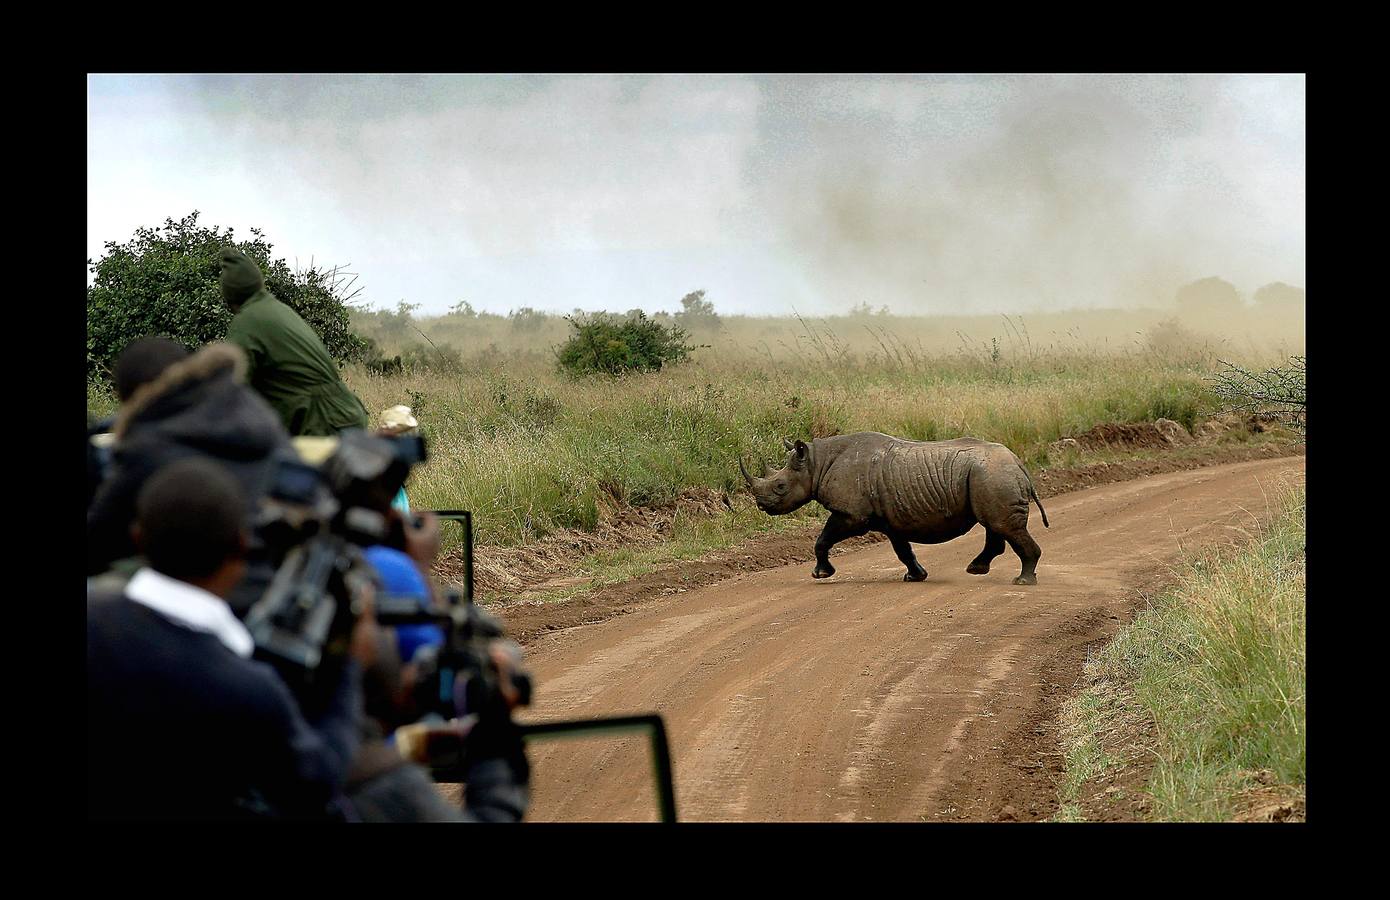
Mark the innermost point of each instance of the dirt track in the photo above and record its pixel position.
(862, 697)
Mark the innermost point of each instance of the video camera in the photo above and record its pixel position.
(458, 678)
(314, 523)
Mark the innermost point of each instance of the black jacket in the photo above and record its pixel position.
(181, 728)
(96, 466)
(197, 407)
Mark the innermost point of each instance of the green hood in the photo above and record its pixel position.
(241, 277)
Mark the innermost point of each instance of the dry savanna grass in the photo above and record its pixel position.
(532, 451)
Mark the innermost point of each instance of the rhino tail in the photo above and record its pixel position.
(1034, 494)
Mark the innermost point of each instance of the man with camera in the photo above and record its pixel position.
(441, 669)
(404, 726)
(182, 724)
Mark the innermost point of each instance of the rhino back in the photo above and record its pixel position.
(921, 485)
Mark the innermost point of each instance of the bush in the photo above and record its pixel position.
(1279, 390)
(431, 358)
(165, 281)
(613, 345)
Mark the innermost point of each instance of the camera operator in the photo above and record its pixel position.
(384, 786)
(182, 724)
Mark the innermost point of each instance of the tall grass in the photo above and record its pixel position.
(1218, 666)
(530, 451)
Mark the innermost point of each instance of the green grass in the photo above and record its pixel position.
(1209, 683)
(531, 451)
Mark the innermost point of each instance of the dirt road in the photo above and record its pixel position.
(864, 698)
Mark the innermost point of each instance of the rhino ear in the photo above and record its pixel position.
(787, 444)
(799, 449)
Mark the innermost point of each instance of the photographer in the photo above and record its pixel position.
(384, 786)
(182, 724)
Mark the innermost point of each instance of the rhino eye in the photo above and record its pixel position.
(780, 487)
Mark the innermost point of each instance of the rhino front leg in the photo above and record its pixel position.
(837, 528)
(903, 548)
(994, 545)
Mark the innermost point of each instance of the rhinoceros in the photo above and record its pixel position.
(925, 492)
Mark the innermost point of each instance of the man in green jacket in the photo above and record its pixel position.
(288, 364)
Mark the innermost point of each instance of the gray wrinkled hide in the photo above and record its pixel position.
(924, 492)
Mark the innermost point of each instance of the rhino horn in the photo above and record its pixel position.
(787, 444)
(744, 469)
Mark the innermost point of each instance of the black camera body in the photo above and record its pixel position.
(314, 522)
(458, 678)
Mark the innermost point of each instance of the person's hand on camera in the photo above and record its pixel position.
(362, 643)
(506, 656)
(422, 540)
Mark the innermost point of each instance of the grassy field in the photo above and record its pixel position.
(1208, 686)
(532, 451)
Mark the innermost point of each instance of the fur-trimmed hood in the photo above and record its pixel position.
(203, 404)
(200, 366)
(199, 406)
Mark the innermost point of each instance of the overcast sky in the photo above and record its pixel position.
(940, 193)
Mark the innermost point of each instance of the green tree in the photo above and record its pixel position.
(164, 281)
(1281, 296)
(697, 312)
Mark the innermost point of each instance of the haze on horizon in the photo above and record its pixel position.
(923, 193)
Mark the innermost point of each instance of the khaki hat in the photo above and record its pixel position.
(398, 419)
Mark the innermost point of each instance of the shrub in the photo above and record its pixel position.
(613, 345)
(165, 281)
(1279, 390)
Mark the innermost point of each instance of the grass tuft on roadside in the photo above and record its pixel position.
(1206, 691)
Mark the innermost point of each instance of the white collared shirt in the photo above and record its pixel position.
(191, 607)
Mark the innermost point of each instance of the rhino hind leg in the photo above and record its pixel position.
(994, 545)
(837, 528)
(903, 548)
(1028, 551)
(999, 497)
